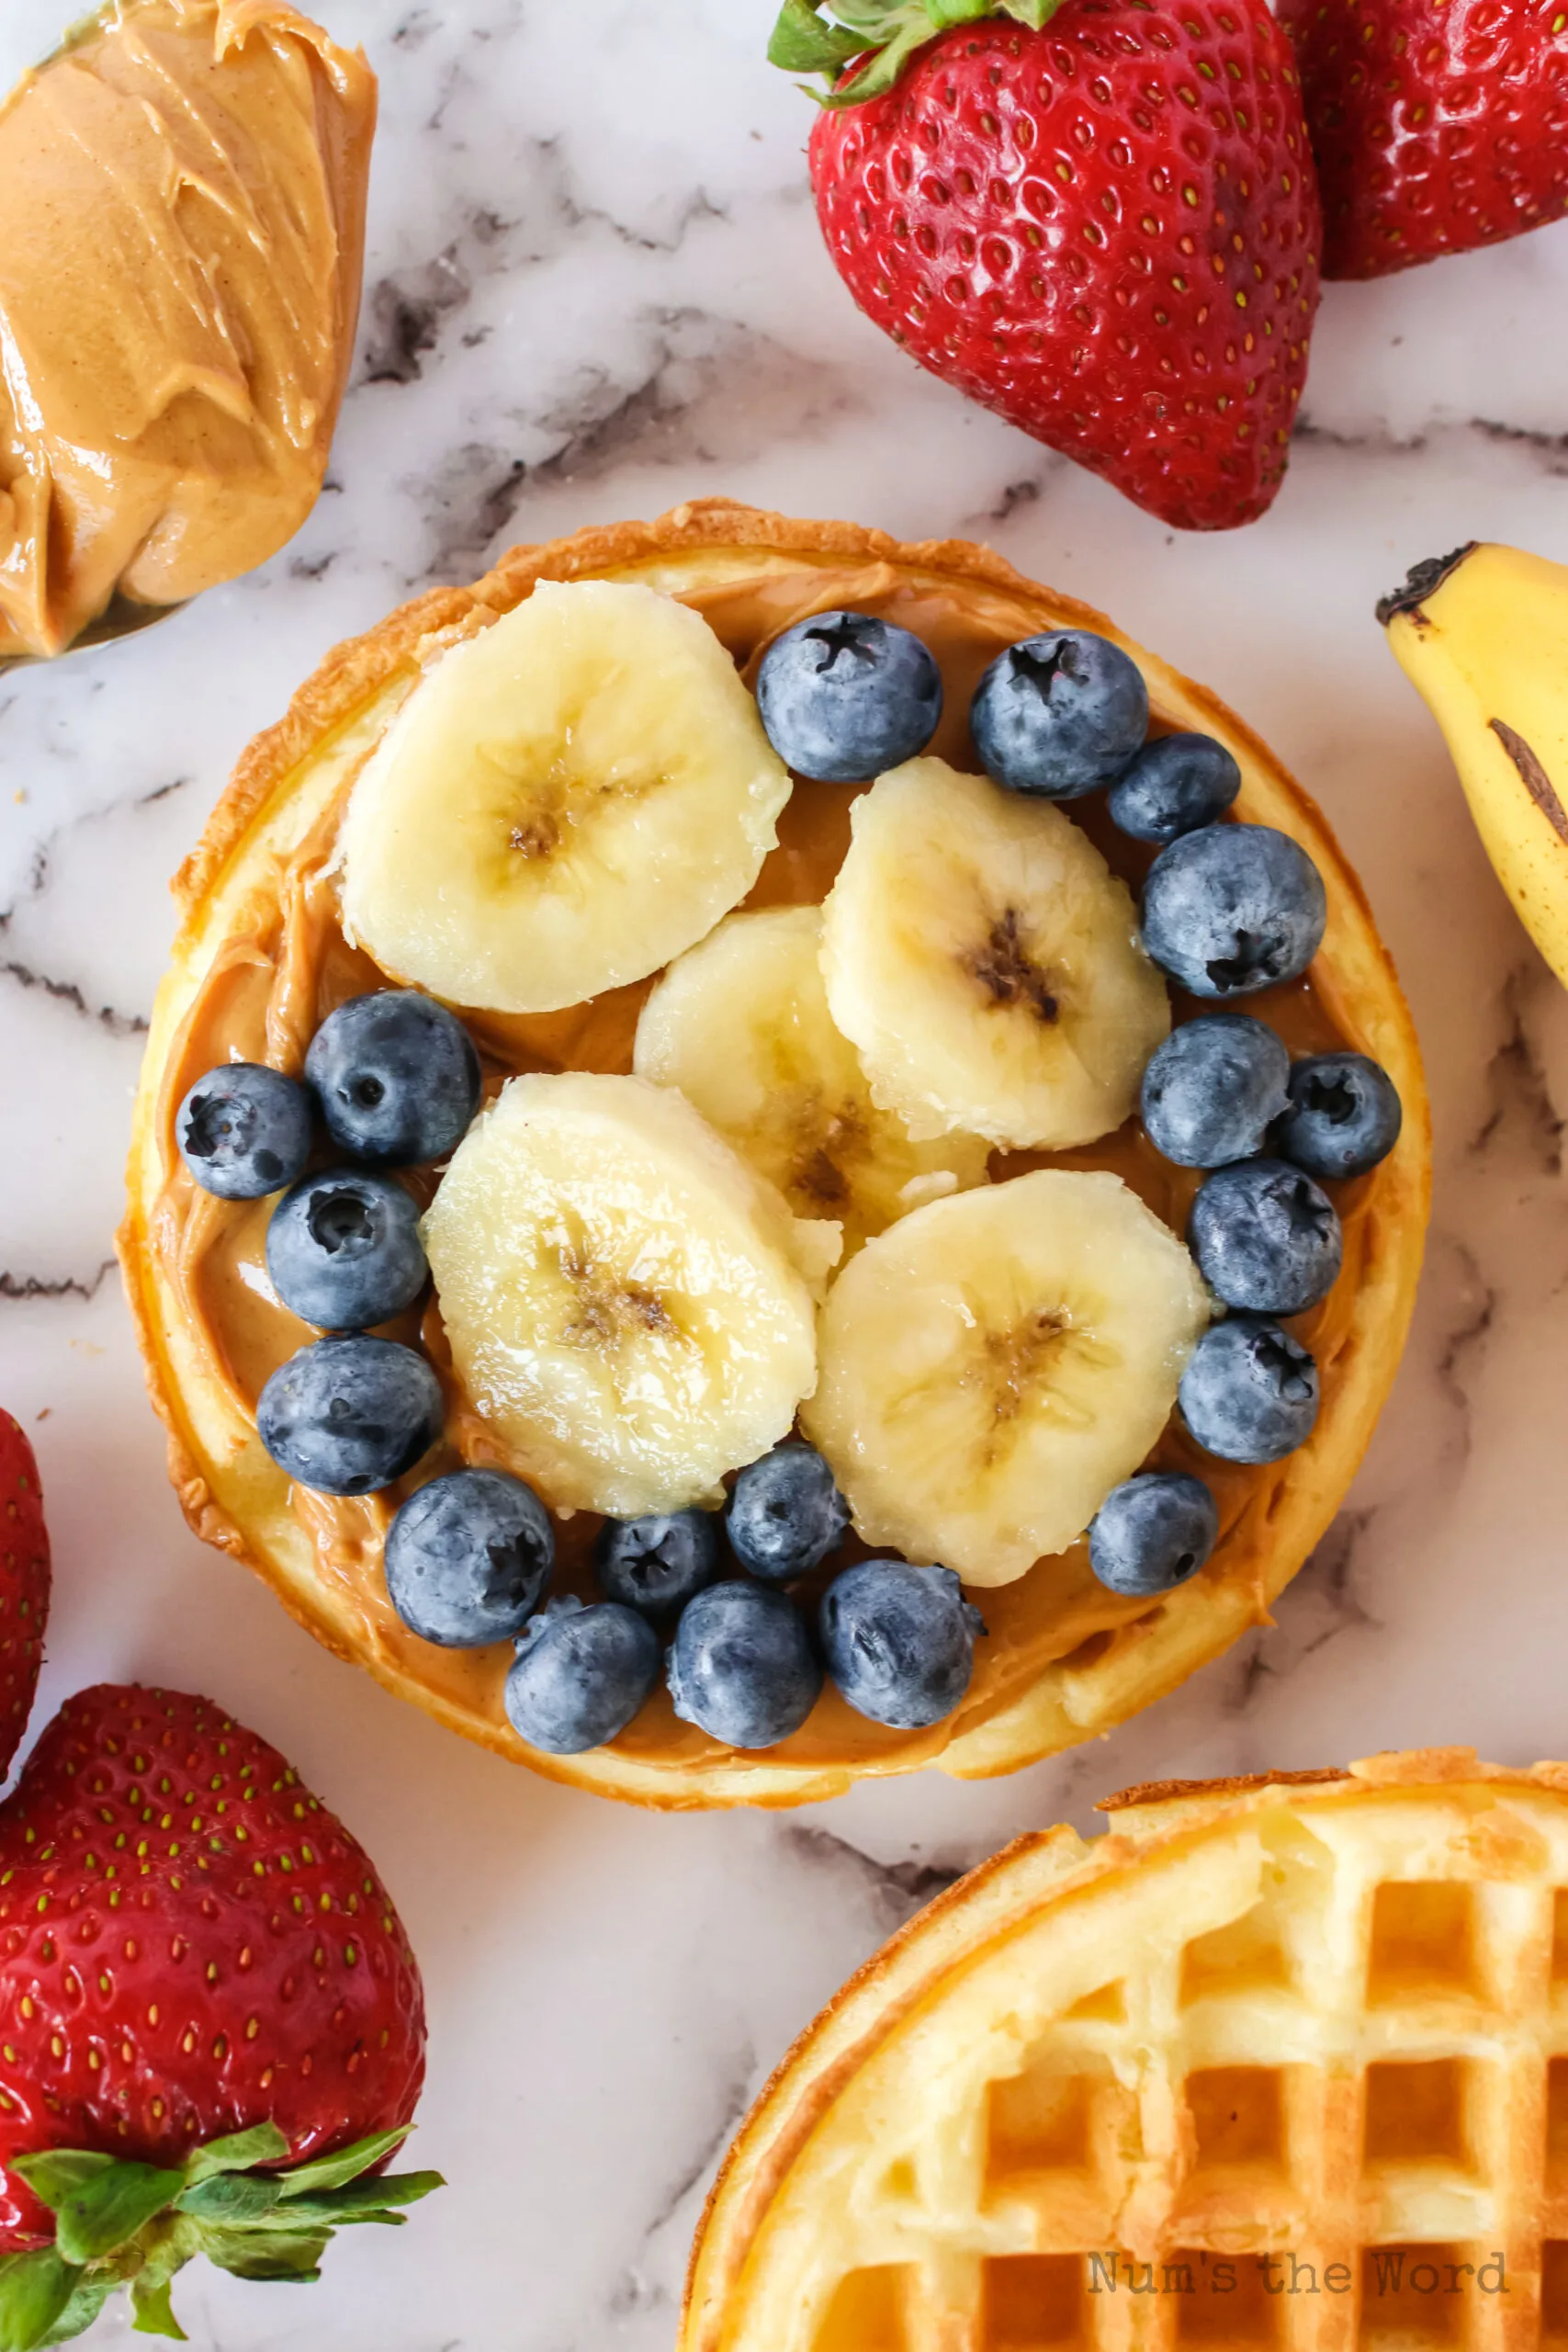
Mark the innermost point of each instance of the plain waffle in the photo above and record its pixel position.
(1280, 2064)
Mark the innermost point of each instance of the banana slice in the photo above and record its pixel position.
(985, 961)
(993, 1365)
(628, 1304)
(740, 1025)
(566, 802)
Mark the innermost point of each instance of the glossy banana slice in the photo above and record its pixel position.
(628, 1304)
(567, 800)
(986, 963)
(740, 1025)
(993, 1365)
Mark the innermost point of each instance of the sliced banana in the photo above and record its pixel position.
(986, 963)
(564, 803)
(740, 1025)
(993, 1365)
(628, 1304)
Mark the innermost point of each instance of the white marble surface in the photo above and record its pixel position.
(594, 288)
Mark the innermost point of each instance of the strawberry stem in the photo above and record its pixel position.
(121, 2223)
(883, 34)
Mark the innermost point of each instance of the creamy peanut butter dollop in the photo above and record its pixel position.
(183, 187)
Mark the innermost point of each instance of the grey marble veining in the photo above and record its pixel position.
(594, 288)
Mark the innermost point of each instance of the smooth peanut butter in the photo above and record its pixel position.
(286, 964)
(183, 187)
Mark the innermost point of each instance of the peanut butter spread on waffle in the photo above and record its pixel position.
(283, 963)
(183, 187)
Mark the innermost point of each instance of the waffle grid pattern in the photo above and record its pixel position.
(1339, 2120)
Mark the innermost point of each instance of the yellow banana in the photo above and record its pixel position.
(1484, 635)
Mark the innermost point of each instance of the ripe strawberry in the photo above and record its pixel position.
(24, 1586)
(1439, 125)
(1100, 221)
(200, 1975)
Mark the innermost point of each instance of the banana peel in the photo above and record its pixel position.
(1483, 635)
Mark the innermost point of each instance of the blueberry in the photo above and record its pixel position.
(786, 1514)
(346, 1416)
(1153, 1533)
(344, 1251)
(1266, 1237)
(843, 696)
(395, 1075)
(1234, 908)
(741, 1666)
(244, 1131)
(582, 1675)
(1249, 1391)
(657, 1564)
(1059, 715)
(1175, 785)
(1212, 1088)
(1343, 1115)
(899, 1641)
(468, 1558)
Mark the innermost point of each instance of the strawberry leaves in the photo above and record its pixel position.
(150, 2302)
(885, 33)
(45, 2299)
(87, 2301)
(262, 2144)
(332, 2172)
(99, 2215)
(802, 43)
(35, 2291)
(123, 2224)
(232, 2198)
(291, 2255)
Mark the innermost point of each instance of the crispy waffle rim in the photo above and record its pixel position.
(1401, 2090)
(236, 1499)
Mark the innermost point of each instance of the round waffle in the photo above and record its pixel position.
(261, 959)
(1278, 2062)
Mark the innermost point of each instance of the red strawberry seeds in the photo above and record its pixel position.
(1106, 230)
(24, 1586)
(1439, 125)
(190, 1946)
